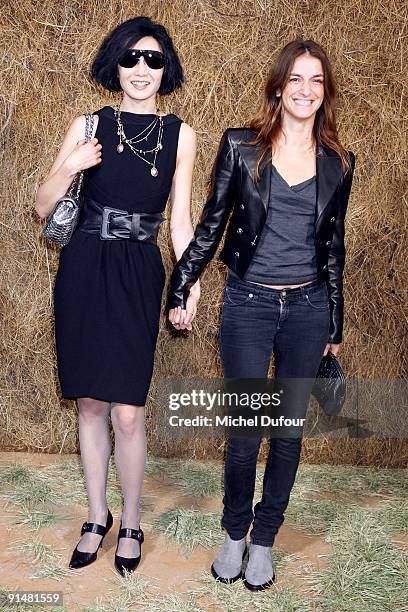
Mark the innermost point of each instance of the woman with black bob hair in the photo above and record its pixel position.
(110, 279)
(105, 66)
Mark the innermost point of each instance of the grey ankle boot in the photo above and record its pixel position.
(259, 574)
(227, 567)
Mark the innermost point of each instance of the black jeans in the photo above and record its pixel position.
(256, 322)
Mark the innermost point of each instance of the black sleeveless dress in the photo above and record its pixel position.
(107, 293)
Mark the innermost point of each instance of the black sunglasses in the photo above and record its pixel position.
(154, 59)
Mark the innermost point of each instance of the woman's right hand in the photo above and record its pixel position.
(84, 155)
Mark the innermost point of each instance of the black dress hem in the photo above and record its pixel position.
(75, 396)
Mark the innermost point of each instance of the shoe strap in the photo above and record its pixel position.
(93, 528)
(135, 534)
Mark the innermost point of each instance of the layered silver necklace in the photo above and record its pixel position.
(140, 137)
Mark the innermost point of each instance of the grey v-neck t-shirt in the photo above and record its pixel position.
(286, 252)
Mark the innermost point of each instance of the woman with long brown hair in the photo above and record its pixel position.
(286, 179)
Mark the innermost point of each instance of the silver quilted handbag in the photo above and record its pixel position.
(63, 219)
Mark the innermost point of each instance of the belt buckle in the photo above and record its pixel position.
(106, 213)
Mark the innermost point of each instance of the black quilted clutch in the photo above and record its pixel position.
(330, 385)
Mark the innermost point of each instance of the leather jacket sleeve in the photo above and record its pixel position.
(210, 228)
(336, 259)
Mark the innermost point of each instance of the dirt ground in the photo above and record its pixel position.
(162, 562)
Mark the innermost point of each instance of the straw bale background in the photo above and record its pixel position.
(46, 49)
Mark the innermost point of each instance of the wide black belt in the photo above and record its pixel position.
(116, 224)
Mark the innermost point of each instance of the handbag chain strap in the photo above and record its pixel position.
(75, 188)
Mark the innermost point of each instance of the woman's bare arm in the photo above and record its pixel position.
(75, 155)
(181, 227)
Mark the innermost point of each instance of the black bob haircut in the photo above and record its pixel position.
(105, 65)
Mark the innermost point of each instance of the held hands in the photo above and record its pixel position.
(182, 319)
(333, 348)
(85, 155)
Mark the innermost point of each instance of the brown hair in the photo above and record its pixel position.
(267, 122)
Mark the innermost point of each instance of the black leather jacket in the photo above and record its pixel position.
(233, 189)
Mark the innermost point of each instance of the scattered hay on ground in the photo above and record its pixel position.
(366, 571)
(190, 528)
(236, 598)
(356, 480)
(195, 478)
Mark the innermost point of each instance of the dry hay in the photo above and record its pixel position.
(226, 48)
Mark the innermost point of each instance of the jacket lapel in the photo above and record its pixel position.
(328, 176)
(249, 154)
(328, 173)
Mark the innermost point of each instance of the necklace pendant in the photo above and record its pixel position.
(154, 171)
(120, 148)
(160, 146)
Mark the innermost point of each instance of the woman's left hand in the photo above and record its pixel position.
(333, 348)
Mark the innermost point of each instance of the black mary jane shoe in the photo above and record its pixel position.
(81, 559)
(259, 587)
(125, 563)
(228, 580)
